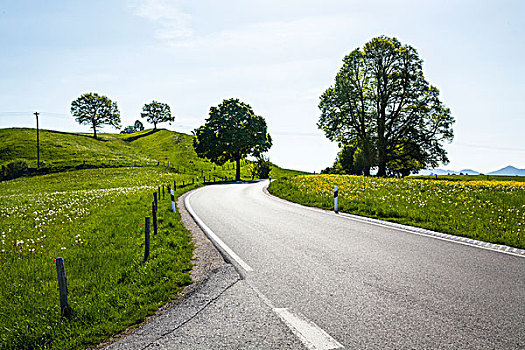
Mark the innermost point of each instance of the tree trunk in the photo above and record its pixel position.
(154, 126)
(381, 144)
(238, 170)
(94, 130)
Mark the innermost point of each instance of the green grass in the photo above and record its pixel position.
(62, 151)
(94, 220)
(492, 211)
(64, 148)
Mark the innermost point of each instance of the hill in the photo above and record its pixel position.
(508, 171)
(62, 151)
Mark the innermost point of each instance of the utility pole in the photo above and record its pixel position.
(37, 142)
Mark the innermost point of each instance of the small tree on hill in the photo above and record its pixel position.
(95, 110)
(157, 112)
(232, 132)
(138, 125)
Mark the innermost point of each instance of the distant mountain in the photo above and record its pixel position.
(509, 171)
(469, 172)
(435, 172)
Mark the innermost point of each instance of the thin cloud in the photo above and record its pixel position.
(173, 23)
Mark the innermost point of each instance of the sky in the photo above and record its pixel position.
(277, 56)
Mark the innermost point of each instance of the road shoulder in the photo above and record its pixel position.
(211, 275)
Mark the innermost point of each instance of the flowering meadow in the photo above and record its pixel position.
(94, 220)
(492, 211)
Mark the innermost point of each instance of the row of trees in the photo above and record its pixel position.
(383, 112)
(95, 110)
(232, 131)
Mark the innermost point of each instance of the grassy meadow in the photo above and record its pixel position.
(487, 210)
(94, 220)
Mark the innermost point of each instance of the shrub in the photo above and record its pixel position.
(14, 169)
(262, 168)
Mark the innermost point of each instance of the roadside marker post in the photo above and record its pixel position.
(270, 176)
(62, 287)
(173, 201)
(175, 185)
(197, 181)
(146, 238)
(155, 198)
(336, 200)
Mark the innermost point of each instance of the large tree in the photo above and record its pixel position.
(382, 103)
(231, 132)
(95, 110)
(157, 112)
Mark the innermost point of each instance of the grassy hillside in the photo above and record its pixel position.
(64, 148)
(67, 150)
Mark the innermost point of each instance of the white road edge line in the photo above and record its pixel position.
(386, 225)
(214, 237)
(312, 336)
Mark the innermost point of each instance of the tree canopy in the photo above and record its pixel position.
(157, 112)
(95, 110)
(138, 125)
(382, 104)
(232, 132)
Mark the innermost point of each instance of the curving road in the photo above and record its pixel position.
(338, 282)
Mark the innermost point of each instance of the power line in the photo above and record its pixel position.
(490, 148)
(29, 114)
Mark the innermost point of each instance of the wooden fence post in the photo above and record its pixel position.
(155, 197)
(162, 191)
(154, 213)
(62, 287)
(146, 237)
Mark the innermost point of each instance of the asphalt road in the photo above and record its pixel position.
(338, 282)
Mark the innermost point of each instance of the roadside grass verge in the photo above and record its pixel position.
(94, 220)
(491, 211)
